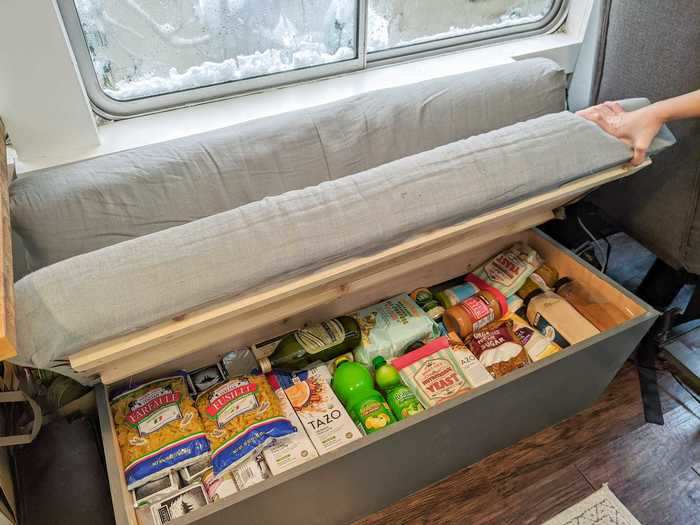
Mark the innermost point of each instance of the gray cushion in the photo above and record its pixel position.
(78, 302)
(77, 208)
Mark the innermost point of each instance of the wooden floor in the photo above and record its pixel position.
(653, 470)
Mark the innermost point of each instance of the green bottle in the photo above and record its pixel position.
(320, 342)
(402, 401)
(353, 385)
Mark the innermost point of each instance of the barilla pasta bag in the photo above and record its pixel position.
(158, 430)
(241, 417)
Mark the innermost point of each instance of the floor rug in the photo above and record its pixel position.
(600, 508)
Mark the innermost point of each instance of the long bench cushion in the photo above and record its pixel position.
(77, 208)
(81, 301)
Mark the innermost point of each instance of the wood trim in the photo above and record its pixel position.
(190, 332)
(8, 347)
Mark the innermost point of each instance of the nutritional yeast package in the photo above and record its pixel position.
(158, 429)
(241, 417)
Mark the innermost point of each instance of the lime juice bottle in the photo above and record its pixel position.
(402, 401)
(353, 385)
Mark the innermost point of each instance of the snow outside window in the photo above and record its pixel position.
(138, 56)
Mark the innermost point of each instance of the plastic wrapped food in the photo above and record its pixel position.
(241, 417)
(158, 430)
(509, 270)
(390, 327)
(498, 349)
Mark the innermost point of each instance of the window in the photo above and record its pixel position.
(139, 56)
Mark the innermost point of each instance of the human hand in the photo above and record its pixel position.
(635, 128)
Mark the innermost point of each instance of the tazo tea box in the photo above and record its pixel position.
(251, 472)
(218, 487)
(291, 450)
(324, 418)
(432, 372)
(473, 371)
(155, 490)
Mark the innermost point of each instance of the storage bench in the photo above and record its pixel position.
(370, 474)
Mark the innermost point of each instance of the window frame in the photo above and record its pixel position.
(113, 109)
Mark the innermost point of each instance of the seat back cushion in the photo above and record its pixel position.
(77, 208)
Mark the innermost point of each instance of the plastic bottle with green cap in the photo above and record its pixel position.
(354, 386)
(401, 399)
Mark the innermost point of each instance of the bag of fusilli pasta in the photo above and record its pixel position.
(241, 417)
(158, 429)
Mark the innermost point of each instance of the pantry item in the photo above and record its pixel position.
(558, 320)
(354, 386)
(158, 429)
(206, 377)
(388, 328)
(319, 342)
(422, 296)
(432, 372)
(543, 278)
(456, 294)
(292, 450)
(193, 472)
(239, 362)
(498, 349)
(537, 345)
(331, 364)
(179, 504)
(473, 371)
(155, 490)
(218, 487)
(509, 270)
(402, 401)
(241, 417)
(252, 471)
(602, 314)
(325, 420)
(475, 312)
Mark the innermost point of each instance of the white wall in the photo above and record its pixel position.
(42, 101)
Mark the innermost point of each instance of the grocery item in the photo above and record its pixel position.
(602, 314)
(194, 471)
(319, 342)
(543, 278)
(291, 450)
(498, 349)
(241, 417)
(509, 270)
(218, 487)
(475, 312)
(560, 322)
(206, 377)
(456, 294)
(536, 344)
(252, 471)
(331, 364)
(158, 429)
(325, 420)
(432, 372)
(176, 506)
(239, 362)
(388, 328)
(354, 386)
(155, 490)
(473, 371)
(421, 296)
(402, 401)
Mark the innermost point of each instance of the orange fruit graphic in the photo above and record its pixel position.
(298, 394)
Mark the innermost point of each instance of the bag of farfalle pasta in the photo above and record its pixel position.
(241, 417)
(158, 429)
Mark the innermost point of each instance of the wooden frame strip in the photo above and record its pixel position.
(8, 347)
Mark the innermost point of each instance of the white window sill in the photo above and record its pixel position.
(127, 134)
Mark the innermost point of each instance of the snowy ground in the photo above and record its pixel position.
(142, 48)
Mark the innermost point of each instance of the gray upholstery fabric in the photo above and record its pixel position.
(652, 51)
(78, 208)
(77, 302)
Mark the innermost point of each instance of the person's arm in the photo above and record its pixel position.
(638, 128)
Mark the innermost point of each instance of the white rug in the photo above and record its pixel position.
(600, 508)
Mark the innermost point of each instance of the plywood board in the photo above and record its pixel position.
(7, 290)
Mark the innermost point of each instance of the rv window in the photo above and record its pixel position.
(139, 56)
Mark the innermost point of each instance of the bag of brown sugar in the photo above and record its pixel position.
(498, 348)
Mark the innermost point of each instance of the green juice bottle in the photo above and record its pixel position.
(319, 342)
(353, 385)
(402, 401)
